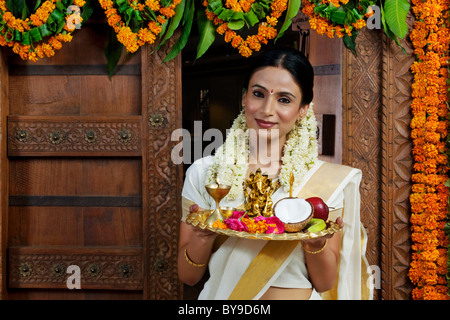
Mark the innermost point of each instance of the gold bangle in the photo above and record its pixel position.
(318, 251)
(192, 263)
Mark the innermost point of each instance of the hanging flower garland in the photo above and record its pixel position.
(429, 198)
(137, 24)
(337, 17)
(340, 18)
(50, 20)
(233, 15)
(344, 18)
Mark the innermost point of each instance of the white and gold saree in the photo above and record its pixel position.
(246, 268)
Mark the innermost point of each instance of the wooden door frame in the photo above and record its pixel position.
(4, 169)
(376, 139)
(162, 179)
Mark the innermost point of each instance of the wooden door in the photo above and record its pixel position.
(88, 188)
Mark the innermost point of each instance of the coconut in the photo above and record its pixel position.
(295, 213)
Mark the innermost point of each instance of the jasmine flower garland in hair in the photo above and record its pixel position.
(300, 150)
(230, 163)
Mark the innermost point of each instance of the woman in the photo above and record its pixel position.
(277, 107)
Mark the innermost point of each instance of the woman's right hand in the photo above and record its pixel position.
(196, 244)
(202, 233)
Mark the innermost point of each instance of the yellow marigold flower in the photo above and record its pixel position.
(35, 20)
(146, 36)
(55, 43)
(153, 5)
(361, 23)
(8, 16)
(339, 32)
(272, 21)
(110, 12)
(217, 21)
(128, 39)
(308, 9)
(210, 15)
(79, 3)
(246, 5)
(32, 57)
(106, 4)
(222, 28)
(64, 37)
(244, 50)
(113, 20)
(233, 5)
(219, 224)
(262, 39)
(161, 19)
(236, 42)
(2, 41)
(39, 51)
(48, 50)
(154, 27)
(267, 31)
(229, 34)
(169, 13)
(253, 43)
(16, 48)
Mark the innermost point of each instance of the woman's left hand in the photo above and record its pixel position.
(317, 243)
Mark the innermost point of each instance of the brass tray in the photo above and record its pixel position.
(197, 219)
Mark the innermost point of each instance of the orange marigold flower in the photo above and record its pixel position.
(222, 28)
(244, 50)
(267, 31)
(229, 35)
(253, 43)
(272, 21)
(169, 13)
(236, 42)
(219, 224)
(153, 5)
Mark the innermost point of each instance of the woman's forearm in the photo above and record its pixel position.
(193, 256)
(322, 262)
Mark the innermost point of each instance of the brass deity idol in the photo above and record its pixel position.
(259, 202)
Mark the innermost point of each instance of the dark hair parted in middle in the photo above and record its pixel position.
(293, 61)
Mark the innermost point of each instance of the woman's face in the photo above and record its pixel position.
(272, 103)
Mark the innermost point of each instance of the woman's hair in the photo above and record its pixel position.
(293, 61)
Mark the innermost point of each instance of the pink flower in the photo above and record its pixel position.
(237, 214)
(275, 225)
(235, 224)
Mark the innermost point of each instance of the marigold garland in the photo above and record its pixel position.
(49, 21)
(324, 25)
(266, 30)
(429, 198)
(152, 15)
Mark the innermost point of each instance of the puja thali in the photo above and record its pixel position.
(198, 219)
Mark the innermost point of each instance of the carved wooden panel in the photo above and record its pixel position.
(105, 268)
(37, 135)
(397, 167)
(162, 111)
(362, 130)
(376, 116)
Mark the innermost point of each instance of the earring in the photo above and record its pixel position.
(298, 122)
